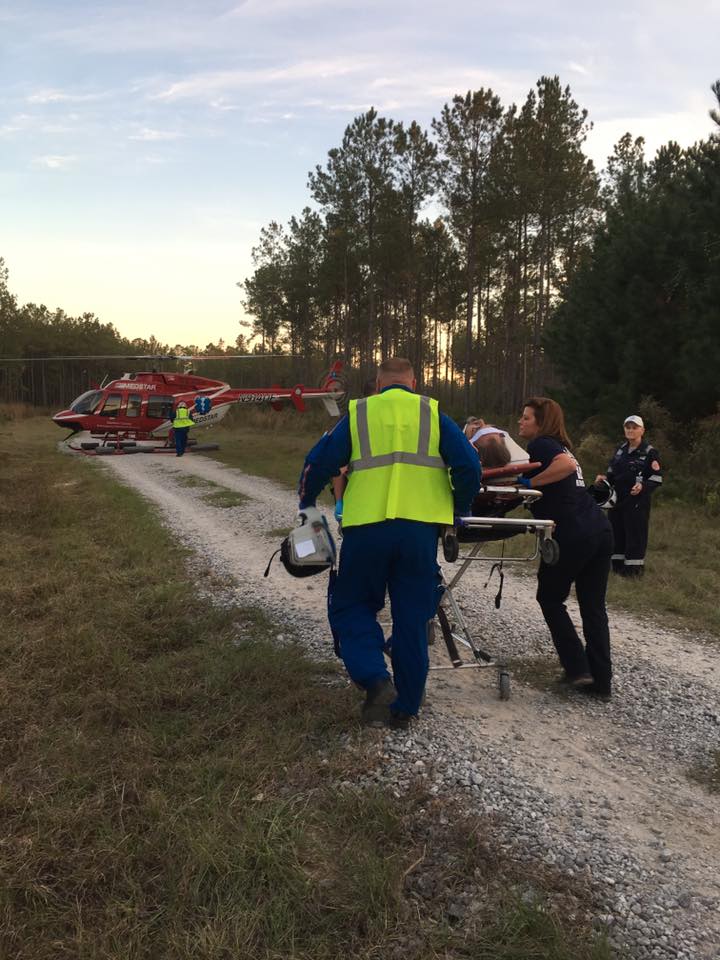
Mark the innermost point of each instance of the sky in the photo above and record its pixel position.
(145, 143)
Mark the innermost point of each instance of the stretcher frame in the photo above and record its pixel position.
(449, 616)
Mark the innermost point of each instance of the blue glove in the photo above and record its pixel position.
(338, 510)
(523, 482)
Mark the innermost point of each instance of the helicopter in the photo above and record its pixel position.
(134, 413)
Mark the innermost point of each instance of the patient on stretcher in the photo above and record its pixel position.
(495, 448)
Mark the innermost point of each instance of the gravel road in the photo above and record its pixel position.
(597, 790)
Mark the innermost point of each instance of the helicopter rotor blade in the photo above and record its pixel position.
(185, 357)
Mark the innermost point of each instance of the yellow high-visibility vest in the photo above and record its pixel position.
(182, 418)
(395, 470)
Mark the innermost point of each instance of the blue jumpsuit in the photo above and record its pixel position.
(398, 556)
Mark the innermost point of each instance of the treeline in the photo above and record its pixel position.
(533, 274)
(32, 331)
(488, 250)
(466, 292)
(641, 316)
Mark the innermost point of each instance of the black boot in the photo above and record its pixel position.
(376, 709)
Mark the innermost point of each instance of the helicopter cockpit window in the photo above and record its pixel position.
(86, 402)
(112, 405)
(161, 408)
(133, 405)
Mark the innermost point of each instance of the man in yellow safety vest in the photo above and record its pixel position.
(411, 469)
(181, 427)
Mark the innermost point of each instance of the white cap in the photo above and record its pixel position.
(486, 432)
(638, 421)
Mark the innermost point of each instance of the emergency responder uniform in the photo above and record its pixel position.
(630, 516)
(399, 449)
(583, 534)
(181, 427)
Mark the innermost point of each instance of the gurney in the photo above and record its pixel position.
(487, 524)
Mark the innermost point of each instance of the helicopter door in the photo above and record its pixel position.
(134, 402)
(160, 408)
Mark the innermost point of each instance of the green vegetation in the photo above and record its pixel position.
(170, 776)
(640, 317)
(189, 480)
(225, 498)
(217, 496)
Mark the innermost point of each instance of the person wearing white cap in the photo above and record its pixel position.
(634, 473)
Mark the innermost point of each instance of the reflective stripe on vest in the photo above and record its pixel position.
(409, 483)
(421, 457)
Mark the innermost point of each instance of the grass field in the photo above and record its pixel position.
(683, 562)
(169, 776)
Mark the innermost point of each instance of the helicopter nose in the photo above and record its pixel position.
(65, 419)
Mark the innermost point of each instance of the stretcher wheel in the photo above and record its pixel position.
(550, 552)
(504, 685)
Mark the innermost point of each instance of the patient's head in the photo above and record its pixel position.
(492, 450)
(490, 443)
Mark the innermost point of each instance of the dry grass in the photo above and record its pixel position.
(225, 499)
(20, 411)
(170, 776)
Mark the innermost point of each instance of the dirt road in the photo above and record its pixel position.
(593, 788)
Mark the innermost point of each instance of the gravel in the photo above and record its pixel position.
(597, 791)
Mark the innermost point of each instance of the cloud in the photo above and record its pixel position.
(155, 136)
(268, 8)
(54, 161)
(61, 96)
(222, 105)
(685, 127)
(578, 68)
(212, 84)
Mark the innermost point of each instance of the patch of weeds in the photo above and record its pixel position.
(225, 498)
(707, 771)
(278, 533)
(482, 904)
(539, 672)
(191, 481)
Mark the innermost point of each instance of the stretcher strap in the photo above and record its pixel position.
(498, 596)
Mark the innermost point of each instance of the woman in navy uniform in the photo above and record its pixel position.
(585, 539)
(634, 473)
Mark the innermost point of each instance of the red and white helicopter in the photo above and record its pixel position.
(135, 413)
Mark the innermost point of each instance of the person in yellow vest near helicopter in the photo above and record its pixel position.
(410, 470)
(181, 427)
